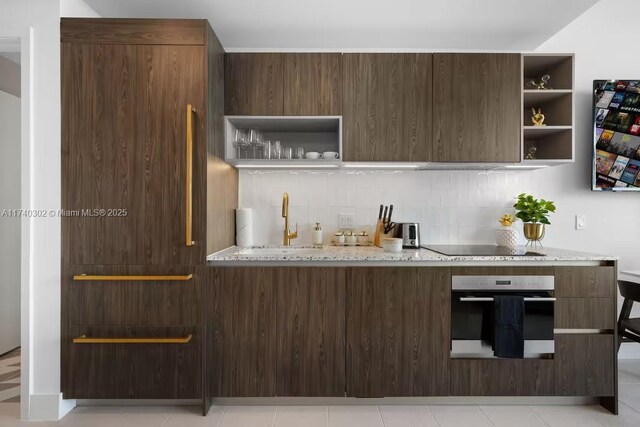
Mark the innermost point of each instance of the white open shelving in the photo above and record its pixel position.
(313, 133)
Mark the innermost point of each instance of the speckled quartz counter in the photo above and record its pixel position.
(373, 256)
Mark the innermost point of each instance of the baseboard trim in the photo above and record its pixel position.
(440, 400)
(139, 402)
(49, 407)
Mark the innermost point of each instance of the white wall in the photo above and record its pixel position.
(452, 206)
(37, 22)
(9, 226)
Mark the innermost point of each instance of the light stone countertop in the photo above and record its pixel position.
(373, 256)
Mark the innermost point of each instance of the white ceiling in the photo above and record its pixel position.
(365, 24)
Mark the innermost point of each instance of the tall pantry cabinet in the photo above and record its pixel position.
(149, 196)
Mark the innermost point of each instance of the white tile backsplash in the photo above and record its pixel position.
(452, 207)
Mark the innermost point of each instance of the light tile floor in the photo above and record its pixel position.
(356, 416)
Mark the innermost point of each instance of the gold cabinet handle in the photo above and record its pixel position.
(88, 277)
(189, 178)
(83, 339)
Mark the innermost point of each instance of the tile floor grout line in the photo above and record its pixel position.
(328, 420)
(380, 415)
(538, 415)
(224, 411)
(485, 415)
(433, 415)
(275, 414)
(628, 406)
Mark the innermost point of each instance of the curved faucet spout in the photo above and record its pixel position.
(287, 236)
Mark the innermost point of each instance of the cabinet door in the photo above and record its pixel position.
(243, 331)
(584, 365)
(253, 84)
(476, 107)
(387, 107)
(398, 330)
(124, 139)
(486, 377)
(312, 84)
(311, 335)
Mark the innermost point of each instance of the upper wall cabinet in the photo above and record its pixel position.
(313, 84)
(476, 108)
(253, 84)
(387, 107)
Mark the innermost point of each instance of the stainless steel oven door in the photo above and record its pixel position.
(471, 313)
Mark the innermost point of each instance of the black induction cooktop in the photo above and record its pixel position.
(480, 250)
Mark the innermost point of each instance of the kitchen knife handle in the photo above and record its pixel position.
(189, 178)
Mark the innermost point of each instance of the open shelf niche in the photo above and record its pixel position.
(312, 133)
(554, 142)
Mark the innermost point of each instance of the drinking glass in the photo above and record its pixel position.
(254, 140)
(288, 153)
(276, 150)
(299, 153)
(267, 150)
(239, 138)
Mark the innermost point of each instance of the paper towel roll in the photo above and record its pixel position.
(244, 227)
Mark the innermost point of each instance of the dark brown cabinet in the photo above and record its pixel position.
(387, 107)
(502, 377)
(142, 139)
(584, 365)
(398, 330)
(124, 142)
(584, 282)
(312, 84)
(254, 84)
(277, 331)
(476, 107)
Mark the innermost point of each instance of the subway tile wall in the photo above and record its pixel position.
(452, 207)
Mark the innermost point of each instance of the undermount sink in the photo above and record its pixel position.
(282, 251)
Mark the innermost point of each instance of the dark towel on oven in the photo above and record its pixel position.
(509, 326)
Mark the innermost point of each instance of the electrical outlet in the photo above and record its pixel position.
(347, 221)
(581, 222)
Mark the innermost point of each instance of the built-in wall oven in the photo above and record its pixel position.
(472, 311)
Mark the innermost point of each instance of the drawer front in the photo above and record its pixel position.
(166, 369)
(585, 365)
(585, 313)
(133, 295)
(486, 377)
(585, 282)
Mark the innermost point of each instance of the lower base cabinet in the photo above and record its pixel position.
(398, 331)
(584, 365)
(277, 331)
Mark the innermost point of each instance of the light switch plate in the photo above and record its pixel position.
(347, 220)
(581, 222)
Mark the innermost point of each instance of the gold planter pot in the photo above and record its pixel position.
(533, 232)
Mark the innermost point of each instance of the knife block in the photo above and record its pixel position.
(377, 237)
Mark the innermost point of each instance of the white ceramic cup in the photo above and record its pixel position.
(329, 155)
(392, 245)
(313, 155)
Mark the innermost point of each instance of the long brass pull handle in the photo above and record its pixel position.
(83, 339)
(189, 178)
(87, 277)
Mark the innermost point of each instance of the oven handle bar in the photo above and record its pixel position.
(471, 299)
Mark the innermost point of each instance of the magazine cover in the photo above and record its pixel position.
(610, 85)
(605, 99)
(603, 181)
(631, 102)
(604, 161)
(618, 121)
(624, 145)
(620, 184)
(600, 116)
(634, 129)
(631, 172)
(617, 99)
(633, 86)
(618, 167)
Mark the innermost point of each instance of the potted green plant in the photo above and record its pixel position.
(534, 214)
